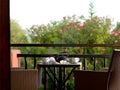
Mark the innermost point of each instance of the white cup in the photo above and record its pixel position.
(75, 60)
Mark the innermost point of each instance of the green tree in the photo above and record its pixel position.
(17, 34)
(76, 30)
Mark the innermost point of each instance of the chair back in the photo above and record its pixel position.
(114, 71)
(24, 79)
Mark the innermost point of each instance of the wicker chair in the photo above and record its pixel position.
(100, 80)
(24, 79)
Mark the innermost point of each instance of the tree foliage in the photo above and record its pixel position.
(17, 33)
(74, 29)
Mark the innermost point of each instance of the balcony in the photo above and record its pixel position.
(95, 59)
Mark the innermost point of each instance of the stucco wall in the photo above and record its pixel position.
(15, 61)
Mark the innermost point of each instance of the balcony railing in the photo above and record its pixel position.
(65, 45)
(84, 57)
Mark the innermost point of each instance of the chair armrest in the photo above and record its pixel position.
(90, 80)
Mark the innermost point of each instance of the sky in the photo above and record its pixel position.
(37, 12)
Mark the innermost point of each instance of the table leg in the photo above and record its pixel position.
(69, 75)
